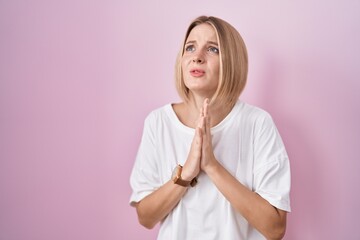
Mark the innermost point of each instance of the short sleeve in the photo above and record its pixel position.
(144, 177)
(272, 178)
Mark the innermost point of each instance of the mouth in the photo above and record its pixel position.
(197, 72)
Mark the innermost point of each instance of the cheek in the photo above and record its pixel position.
(185, 60)
(183, 69)
(216, 67)
(184, 65)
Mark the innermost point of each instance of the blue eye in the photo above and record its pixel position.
(213, 49)
(190, 48)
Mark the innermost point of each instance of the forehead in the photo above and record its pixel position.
(203, 32)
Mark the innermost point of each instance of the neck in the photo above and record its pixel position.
(217, 111)
(195, 103)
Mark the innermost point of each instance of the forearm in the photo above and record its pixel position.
(156, 206)
(268, 220)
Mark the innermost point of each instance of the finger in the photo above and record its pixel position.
(205, 107)
(203, 125)
(207, 129)
(200, 130)
(198, 136)
(208, 121)
(206, 126)
(199, 120)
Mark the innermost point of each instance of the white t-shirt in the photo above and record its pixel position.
(246, 143)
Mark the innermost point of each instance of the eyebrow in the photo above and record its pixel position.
(211, 42)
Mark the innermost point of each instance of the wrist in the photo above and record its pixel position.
(186, 175)
(211, 167)
(178, 178)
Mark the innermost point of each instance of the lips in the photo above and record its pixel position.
(197, 72)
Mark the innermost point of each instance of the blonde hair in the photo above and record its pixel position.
(233, 62)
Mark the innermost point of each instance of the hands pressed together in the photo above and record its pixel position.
(201, 155)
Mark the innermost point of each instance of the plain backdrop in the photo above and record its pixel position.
(77, 79)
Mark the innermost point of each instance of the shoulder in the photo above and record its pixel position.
(157, 113)
(252, 113)
(159, 118)
(254, 119)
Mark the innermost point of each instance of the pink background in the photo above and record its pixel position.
(77, 79)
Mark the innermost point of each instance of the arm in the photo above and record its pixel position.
(267, 219)
(156, 206)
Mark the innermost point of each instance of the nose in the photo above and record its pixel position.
(198, 58)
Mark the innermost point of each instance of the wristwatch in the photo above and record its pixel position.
(176, 177)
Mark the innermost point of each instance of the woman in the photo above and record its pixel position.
(212, 166)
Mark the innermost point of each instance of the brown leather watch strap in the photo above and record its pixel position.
(178, 180)
(183, 182)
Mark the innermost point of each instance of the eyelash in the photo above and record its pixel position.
(210, 49)
(187, 48)
(213, 49)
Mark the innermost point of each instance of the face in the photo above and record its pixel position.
(201, 61)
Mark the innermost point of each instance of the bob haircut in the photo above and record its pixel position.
(233, 62)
